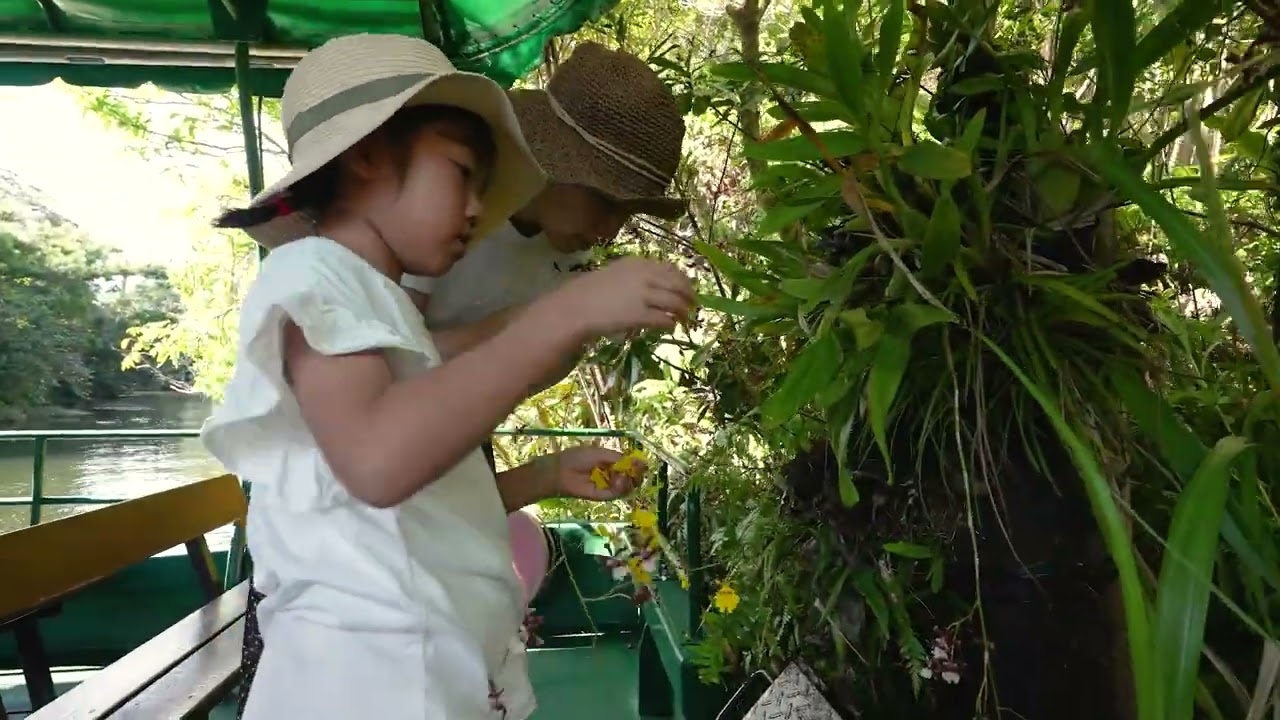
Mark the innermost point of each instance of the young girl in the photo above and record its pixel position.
(378, 532)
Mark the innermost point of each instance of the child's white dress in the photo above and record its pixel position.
(405, 613)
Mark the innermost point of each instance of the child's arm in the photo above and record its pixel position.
(387, 439)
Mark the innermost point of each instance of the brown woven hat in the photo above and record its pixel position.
(348, 87)
(607, 121)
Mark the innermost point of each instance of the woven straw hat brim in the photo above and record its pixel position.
(569, 159)
(516, 177)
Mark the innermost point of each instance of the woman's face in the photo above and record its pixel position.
(576, 218)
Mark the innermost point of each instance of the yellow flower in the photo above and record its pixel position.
(599, 479)
(684, 581)
(644, 519)
(642, 576)
(628, 464)
(726, 599)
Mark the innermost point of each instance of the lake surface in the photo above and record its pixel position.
(110, 467)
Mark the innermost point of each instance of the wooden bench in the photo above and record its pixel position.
(179, 673)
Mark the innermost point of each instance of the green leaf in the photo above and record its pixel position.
(864, 580)
(805, 288)
(812, 111)
(844, 57)
(942, 238)
(780, 216)
(979, 84)
(737, 307)
(1186, 577)
(782, 74)
(1179, 26)
(912, 317)
(731, 268)
(865, 330)
(890, 40)
(908, 550)
(1217, 264)
(1115, 33)
(810, 372)
(1184, 453)
(1243, 111)
(839, 143)
(893, 352)
(928, 159)
(1073, 24)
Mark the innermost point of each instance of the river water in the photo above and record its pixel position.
(110, 468)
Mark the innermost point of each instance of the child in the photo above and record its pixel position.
(608, 133)
(378, 532)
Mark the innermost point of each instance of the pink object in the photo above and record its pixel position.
(529, 552)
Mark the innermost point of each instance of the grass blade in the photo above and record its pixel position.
(1186, 577)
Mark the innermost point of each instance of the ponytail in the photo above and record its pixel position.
(253, 216)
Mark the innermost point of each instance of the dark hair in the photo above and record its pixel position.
(318, 191)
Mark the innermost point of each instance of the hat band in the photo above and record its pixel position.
(347, 100)
(637, 165)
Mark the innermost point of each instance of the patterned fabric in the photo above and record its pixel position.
(252, 651)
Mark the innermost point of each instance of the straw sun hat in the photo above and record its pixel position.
(348, 87)
(607, 121)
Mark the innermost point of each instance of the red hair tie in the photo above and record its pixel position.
(282, 207)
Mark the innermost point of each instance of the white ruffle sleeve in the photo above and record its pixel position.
(341, 308)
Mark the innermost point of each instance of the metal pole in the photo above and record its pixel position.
(37, 479)
(248, 126)
(697, 583)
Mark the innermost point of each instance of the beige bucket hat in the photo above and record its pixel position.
(607, 121)
(348, 87)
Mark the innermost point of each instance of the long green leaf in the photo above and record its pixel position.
(1177, 27)
(811, 371)
(893, 352)
(844, 57)
(890, 40)
(1111, 522)
(1218, 265)
(1186, 577)
(1114, 32)
(1184, 453)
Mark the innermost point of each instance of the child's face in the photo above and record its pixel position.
(576, 218)
(426, 206)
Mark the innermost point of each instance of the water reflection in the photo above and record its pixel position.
(114, 468)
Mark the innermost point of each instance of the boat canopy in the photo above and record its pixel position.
(192, 45)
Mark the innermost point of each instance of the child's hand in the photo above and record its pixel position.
(627, 294)
(571, 474)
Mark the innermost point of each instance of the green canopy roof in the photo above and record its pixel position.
(189, 45)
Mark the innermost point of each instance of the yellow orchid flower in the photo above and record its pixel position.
(726, 599)
(638, 571)
(628, 464)
(599, 479)
(644, 519)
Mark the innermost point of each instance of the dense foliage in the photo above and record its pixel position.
(65, 306)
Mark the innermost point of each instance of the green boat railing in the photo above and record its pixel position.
(667, 464)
